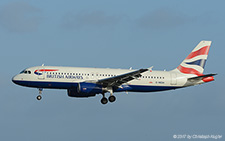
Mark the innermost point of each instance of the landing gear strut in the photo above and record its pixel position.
(112, 98)
(40, 92)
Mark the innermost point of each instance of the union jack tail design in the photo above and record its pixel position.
(194, 63)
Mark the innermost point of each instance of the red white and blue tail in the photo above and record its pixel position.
(194, 63)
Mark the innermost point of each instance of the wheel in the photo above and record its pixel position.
(104, 100)
(112, 98)
(39, 97)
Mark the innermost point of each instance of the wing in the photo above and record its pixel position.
(120, 79)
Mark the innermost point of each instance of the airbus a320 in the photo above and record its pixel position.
(87, 82)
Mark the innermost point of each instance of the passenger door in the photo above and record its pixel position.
(173, 78)
(41, 72)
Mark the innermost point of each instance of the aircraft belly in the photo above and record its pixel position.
(142, 88)
(48, 84)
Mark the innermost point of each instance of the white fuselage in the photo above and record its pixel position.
(68, 77)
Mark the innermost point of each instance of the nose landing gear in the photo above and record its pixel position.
(39, 97)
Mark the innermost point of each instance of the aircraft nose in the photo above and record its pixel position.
(15, 79)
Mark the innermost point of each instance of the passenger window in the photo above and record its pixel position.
(29, 72)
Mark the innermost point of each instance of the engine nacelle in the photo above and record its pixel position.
(89, 88)
(85, 90)
(75, 93)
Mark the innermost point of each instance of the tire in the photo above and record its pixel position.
(39, 97)
(112, 98)
(104, 100)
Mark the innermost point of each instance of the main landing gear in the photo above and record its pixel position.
(104, 100)
(40, 92)
(111, 98)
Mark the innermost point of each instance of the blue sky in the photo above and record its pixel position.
(112, 34)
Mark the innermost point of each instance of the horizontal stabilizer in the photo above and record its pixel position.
(200, 77)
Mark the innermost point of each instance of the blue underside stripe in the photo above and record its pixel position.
(65, 85)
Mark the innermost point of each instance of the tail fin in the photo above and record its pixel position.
(194, 63)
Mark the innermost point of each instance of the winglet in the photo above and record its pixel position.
(150, 69)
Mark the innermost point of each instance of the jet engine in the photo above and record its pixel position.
(85, 90)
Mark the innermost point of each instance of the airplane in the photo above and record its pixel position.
(88, 82)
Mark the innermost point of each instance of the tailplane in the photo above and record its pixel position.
(194, 63)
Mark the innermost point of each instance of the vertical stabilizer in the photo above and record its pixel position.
(194, 63)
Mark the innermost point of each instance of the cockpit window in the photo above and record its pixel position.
(22, 71)
(26, 72)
